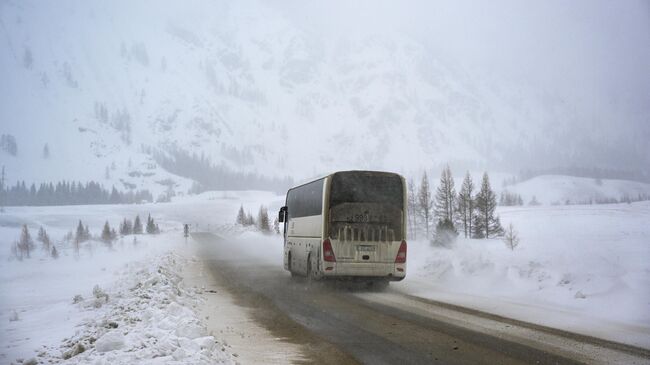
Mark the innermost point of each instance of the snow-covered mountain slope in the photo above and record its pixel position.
(242, 84)
(557, 189)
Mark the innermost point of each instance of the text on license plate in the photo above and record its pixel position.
(365, 248)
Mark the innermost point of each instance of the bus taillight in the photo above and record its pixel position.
(401, 254)
(328, 253)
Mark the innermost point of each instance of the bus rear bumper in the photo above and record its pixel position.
(389, 271)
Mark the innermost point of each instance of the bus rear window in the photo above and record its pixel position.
(367, 187)
(366, 207)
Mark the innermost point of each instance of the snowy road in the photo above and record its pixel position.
(337, 324)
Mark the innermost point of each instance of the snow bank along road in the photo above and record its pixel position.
(390, 327)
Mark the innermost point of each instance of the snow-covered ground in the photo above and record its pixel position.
(52, 308)
(581, 268)
(578, 268)
(558, 189)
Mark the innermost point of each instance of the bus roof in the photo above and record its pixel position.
(339, 172)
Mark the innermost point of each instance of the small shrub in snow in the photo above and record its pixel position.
(533, 201)
(74, 351)
(54, 253)
(579, 295)
(445, 233)
(77, 299)
(13, 317)
(100, 294)
(511, 238)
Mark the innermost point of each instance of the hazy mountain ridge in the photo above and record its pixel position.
(249, 90)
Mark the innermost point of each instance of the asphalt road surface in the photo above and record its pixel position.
(341, 323)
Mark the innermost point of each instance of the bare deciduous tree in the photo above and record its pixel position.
(511, 238)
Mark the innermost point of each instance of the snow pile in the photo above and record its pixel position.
(148, 316)
(45, 300)
(574, 265)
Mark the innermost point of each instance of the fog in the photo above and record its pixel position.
(588, 48)
(514, 216)
(297, 89)
(594, 54)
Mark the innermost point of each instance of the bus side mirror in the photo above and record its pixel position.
(282, 214)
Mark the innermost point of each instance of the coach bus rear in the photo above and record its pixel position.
(350, 224)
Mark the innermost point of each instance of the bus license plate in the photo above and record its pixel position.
(366, 248)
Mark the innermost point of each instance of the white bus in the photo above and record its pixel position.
(350, 224)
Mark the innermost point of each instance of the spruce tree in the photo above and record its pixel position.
(263, 220)
(80, 234)
(487, 224)
(137, 225)
(151, 226)
(425, 203)
(412, 209)
(106, 233)
(41, 234)
(276, 225)
(241, 216)
(250, 221)
(44, 238)
(445, 197)
(465, 206)
(26, 244)
(126, 228)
